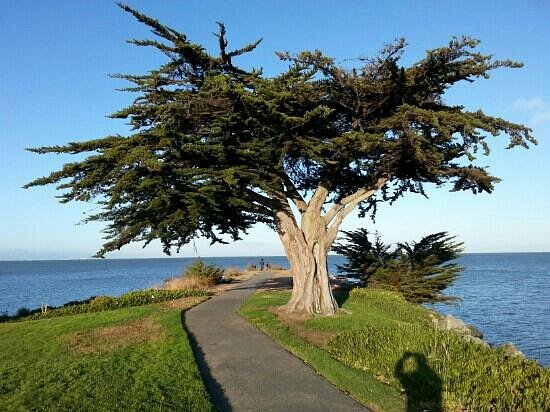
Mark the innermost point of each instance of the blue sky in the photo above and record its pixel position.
(55, 57)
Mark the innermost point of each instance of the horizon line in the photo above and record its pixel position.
(223, 257)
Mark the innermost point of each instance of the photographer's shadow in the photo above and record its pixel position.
(422, 385)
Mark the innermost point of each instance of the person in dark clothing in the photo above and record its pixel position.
(262, 264)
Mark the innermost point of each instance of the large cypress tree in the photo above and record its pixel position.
(216, 149)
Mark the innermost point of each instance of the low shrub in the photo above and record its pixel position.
(379, 296)
(103, 303)
(23, 312)
(435, 366)
(198, 275)
(188, 282)
(199, 269)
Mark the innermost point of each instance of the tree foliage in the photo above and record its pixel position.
(421, 270)
(363, 257)
(216, 148)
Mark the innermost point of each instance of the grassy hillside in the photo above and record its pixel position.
(385, 352)
(135, 358)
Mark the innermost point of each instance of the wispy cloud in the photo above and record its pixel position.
(537, 107)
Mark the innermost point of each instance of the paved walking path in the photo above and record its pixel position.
(245, 370)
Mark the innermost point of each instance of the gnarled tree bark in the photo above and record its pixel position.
(307, 244)
(306, 248)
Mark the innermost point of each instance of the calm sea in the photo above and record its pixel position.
(506, 295)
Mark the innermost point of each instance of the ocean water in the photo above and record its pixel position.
(506, 295)
(54, 282)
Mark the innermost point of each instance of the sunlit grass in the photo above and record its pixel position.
(41, 367)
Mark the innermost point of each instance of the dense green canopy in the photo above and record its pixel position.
(216, 148)
(420, 271)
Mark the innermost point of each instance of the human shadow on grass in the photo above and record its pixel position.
(421, 384)
(217, 395)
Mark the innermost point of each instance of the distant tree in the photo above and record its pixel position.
(363, 257)
(217, 148)
(420, 271)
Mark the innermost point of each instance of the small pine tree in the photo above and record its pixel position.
(363, 256)
(420, 271)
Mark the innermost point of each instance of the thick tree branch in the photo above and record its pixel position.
(261, 209)
(338, 212)
(318, 199)
(293, 194)
(264, 201)
(287, 226)
(353, 200)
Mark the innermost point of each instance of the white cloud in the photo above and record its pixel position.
(537, 107)
(535, 103)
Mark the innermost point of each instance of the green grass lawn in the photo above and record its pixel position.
(136, 358)
(386, 353)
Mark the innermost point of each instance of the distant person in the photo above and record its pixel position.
(262, 263)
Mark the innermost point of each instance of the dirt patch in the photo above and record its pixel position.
(296, 324)
(185, 303)
(111, 338)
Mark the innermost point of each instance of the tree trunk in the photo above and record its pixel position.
(307, 245)
(307, 248)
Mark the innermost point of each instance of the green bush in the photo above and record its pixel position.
(103, 303)
(420, 271)
(23, 312)
(438, 366)
(199, 269)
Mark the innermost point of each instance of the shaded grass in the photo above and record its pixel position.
(40, 370)
(361, 385)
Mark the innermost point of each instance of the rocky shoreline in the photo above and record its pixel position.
(470, 333)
